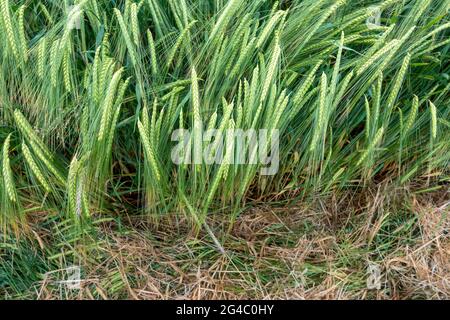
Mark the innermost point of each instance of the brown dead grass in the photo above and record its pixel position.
(321, 251)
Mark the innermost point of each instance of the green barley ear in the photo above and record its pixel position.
(434, 127)
(108, 104)
(337, 66)
(302, 91)
(377, 45)
(151, 44)
(343, 88)
(41, 63)
(34, 168)
(126, 36)
(95, 90)
(271, 71)
(149, 151)
(227, 161)
(398, 82)
(197, 120)
(368, 123)
(243, 56)
(224, 18)
(105, 47)
(372, 146)
(9, 28)
(26, 129)
(22, 35)
(72, 184)
(412, 115)
(135, 23)
(279, 111)
(386, 49)
(320, 115)
(269, 28)
(7, 172)
(178, 43)
(66, 71)
(54, 64)
(46, 161)
(45, 12)
(153, 120)
(38, 146)
(321, 21)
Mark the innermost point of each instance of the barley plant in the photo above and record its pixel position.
(91, 92)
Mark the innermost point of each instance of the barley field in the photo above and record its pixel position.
(93, 92)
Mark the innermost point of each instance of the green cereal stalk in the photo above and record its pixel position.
(159, 125)
(104, 77)
(212, 122)
(152, 128)
(220, 175)
(337, 66)
(145, 120)
(228, 109)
